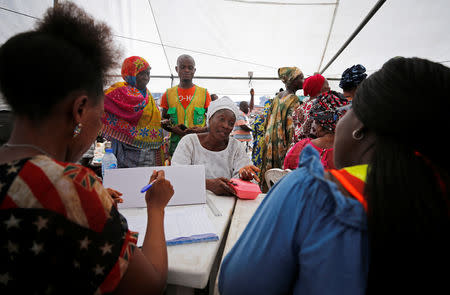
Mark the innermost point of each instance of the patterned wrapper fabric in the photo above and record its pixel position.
(279, 129)
(131, 115)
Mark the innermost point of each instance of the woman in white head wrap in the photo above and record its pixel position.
(223, 156)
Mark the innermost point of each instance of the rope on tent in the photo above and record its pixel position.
(160, 39)
(197, 51)
(355, 33)
(19, 13)
(164, 45)
(329, 34)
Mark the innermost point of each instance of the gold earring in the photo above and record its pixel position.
(77, 130)
(357, 134)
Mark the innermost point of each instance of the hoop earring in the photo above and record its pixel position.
(77, 130)
(357, 134)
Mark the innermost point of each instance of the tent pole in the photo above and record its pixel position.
(171, 77)
(356, 32)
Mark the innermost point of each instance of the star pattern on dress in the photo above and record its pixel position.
(107, 248)
(12, 222)
(37, 242)
(99, 270)
(37, 248)
(76, 264)
(12, 247)
(13, 169)
(41, 223)
(84, 244)
(5, 278)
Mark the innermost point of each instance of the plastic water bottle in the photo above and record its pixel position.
(109, 160)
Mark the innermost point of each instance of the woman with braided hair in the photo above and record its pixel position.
(380, 222)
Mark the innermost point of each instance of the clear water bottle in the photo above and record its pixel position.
(109, 160)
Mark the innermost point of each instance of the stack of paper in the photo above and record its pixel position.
(188, 225)
(182, 225)
(188, 184)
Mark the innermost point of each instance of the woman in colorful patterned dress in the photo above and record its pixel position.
(327, 109)
(312, 87)
(279, 127)
(61, 231)
(132, 120)
(258, 133)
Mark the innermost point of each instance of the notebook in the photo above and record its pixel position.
(182, 225)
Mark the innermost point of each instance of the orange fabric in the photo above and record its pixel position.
(352, 184)
(185, 96)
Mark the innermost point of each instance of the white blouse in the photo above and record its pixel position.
(225, 163)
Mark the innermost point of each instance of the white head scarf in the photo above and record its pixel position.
(223, 103)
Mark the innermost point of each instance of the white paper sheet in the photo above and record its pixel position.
(189, 222)
(188, 183)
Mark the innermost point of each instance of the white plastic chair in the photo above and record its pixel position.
(275, 174)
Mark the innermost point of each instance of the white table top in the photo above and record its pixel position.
(243, 212)
(190, 264)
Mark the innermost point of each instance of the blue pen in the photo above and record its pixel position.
(147, 187)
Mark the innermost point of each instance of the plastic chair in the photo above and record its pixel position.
(275, 174)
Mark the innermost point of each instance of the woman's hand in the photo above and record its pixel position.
(178, 130)
(220, 186)
(196, 130)
(249, 172)
(166, 124)
(115, 195)
(161, 191)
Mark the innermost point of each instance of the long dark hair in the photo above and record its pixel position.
(406, 104)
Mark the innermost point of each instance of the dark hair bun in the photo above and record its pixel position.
(352, 77)
(68, 51)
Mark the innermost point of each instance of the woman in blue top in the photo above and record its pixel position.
(379, 226)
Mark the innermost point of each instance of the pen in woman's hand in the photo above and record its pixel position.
(147, 187)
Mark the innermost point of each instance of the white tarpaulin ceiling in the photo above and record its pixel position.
(231, 38)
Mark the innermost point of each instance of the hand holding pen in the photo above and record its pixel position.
(159, 191)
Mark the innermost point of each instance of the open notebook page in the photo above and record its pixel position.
(187, 224)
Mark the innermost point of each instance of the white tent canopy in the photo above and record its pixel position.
(229, 38)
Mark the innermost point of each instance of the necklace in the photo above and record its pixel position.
(24, 145)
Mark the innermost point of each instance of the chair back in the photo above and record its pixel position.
(275, 174)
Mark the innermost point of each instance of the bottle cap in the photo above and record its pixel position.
(108, 150)
(107, 145)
